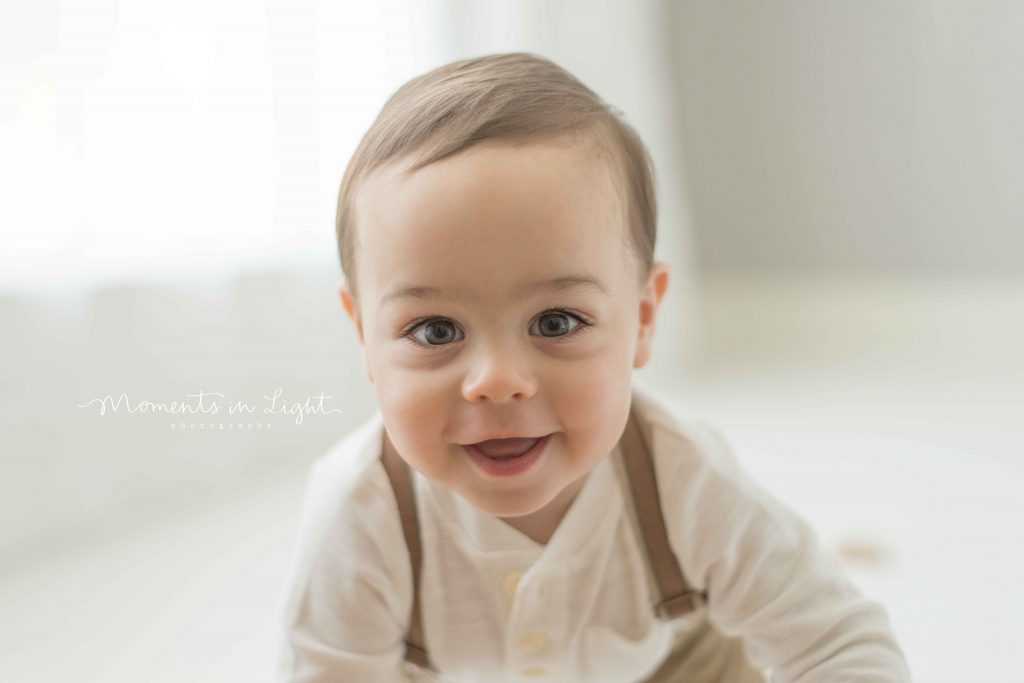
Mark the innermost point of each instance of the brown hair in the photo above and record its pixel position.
(519, 97)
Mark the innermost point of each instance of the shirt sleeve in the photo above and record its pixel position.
(769, 580)
(347, 591)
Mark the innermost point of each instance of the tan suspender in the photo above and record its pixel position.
(676, 598)
(405, 494)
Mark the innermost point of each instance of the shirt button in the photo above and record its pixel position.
(532, 642)
(510, 583)
(533, 671)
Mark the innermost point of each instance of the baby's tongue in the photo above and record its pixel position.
(499, 448)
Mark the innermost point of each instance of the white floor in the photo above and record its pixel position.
(931, 528)
(914, 484)
(189, 601)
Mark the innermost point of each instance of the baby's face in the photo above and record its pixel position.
(498, 296)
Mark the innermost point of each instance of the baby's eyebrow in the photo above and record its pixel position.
(561, 283)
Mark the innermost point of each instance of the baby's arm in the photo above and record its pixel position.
(772, 584)
(340, 614)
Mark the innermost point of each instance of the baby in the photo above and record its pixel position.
(519, 508)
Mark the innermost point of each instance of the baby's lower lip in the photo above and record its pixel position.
(511, 466)
(500, 449)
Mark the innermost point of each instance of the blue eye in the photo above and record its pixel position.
(440, 330)
(559, 323)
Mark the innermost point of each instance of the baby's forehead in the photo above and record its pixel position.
(483, 173)
(504, 205)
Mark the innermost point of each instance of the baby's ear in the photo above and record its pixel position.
(650, 299)
(349, 302)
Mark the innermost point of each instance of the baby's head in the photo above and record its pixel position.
(496, 228)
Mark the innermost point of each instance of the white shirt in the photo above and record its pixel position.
(498, 606)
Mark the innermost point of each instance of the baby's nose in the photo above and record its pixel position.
(499, 377)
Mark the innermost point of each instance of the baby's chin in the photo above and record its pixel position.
(511, 506)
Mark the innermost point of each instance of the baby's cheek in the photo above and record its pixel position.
(595, 405)
(603, 373)
(411, 403)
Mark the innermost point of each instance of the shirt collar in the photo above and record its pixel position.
(597, 503)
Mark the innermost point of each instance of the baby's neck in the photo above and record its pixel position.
(541, 525)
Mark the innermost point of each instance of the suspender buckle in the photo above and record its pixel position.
(682, 604)
(418, 656)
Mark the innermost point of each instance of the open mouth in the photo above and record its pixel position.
(506, 449)
(506, 457)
